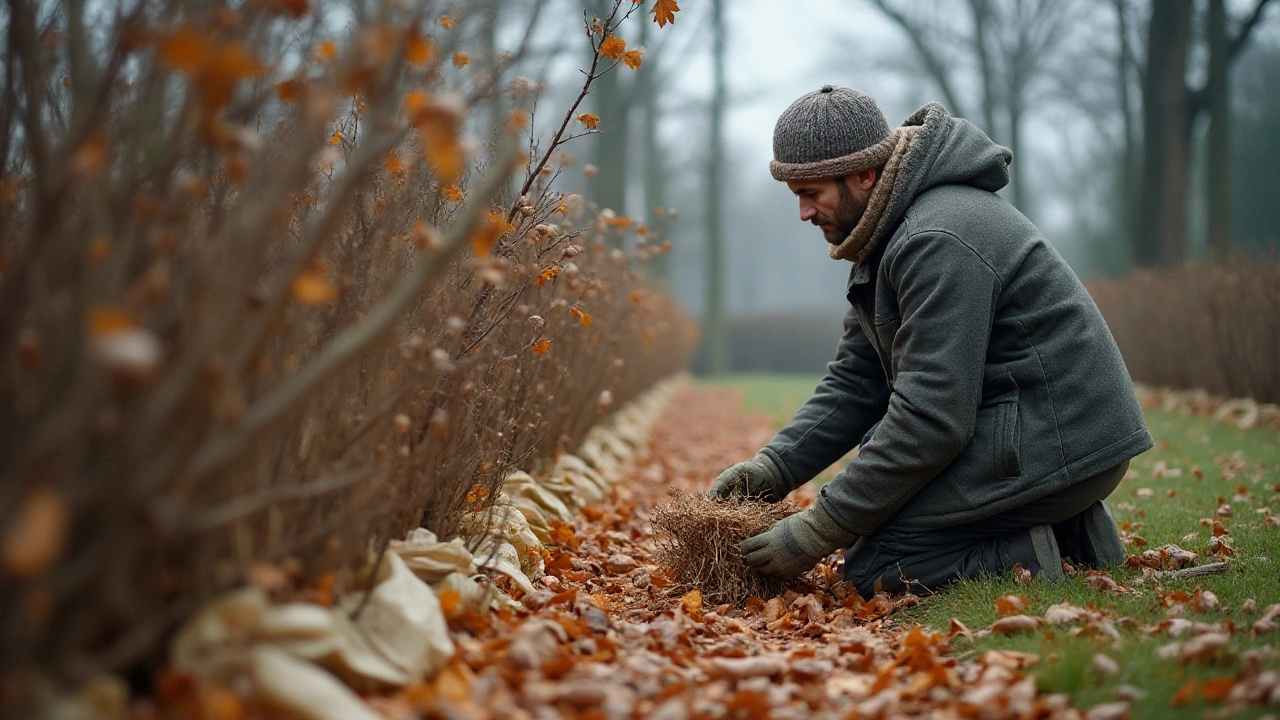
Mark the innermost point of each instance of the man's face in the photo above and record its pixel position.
(834, 204)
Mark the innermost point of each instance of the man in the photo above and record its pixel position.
(992, 406)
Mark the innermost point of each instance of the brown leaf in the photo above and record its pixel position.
(959, 628)
(691, 602)
(1011, 604)
(1203, 647)
(1015, 624)
(1217, 689)
(591, 120)
(1185, 694)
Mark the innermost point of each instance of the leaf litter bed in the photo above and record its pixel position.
(613, 631)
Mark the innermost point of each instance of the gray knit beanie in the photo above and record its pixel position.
(831, 132)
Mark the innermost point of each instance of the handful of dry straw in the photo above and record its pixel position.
(699, 542)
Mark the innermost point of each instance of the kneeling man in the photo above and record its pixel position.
(990, 402)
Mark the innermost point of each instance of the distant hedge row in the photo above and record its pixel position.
(1211, 326)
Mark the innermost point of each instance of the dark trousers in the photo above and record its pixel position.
(893, 559)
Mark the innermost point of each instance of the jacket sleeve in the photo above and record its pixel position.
(848, 401)
(946, 300)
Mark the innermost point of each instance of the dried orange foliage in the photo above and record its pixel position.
(494, 227)
(664, 11)
(542, 347)
(633, 58)
(214, 67)
(590, 120)
(612, 47)
(461, 60)
(313, 287)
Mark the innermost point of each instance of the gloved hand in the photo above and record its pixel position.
(758, 477)
(795, 543)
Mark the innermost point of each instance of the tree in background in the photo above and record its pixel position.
(715, 328)
(1170, 109)
(1008, 44)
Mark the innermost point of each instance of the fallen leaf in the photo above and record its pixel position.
(1184, 694)
(1105, 664)
(691, 602)
(1011, 604)
(1015, 624)
(1217, 689)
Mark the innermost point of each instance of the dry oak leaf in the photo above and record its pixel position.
(542, 348)
(1203, 647)
(613, 47)
(1015, 624)
(664, 11)
(590, 120)
(1108, 711)
(633, 58)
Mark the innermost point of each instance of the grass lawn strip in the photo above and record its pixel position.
(1199, 471)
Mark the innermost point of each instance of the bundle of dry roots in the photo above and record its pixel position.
(699, 542)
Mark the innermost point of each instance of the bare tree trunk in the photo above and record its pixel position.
(716, 330)
(1162, 215)
(655, 178)
(1129, 161)
(1219, 157)
(981, 19)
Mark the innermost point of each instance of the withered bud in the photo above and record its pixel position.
(537, 322)
(441, 361)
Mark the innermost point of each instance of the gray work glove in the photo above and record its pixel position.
(795, 543)
(758, 477)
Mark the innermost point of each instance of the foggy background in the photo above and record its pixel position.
(1064, 83)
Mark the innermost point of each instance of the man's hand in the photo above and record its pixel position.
(795, 543)
(758, 477)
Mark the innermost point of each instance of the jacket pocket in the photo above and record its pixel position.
(1006, 438)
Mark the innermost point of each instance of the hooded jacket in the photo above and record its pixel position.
(992, 372)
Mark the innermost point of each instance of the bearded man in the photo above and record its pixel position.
(991, 405)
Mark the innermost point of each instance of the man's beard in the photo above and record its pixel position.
(846, 216)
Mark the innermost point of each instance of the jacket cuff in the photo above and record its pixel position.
(789, 480)
(831, 531)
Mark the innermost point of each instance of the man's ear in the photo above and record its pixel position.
(866, 178)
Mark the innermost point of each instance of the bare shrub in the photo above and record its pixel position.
(700, 544)
(1200, 325)
(262, 303)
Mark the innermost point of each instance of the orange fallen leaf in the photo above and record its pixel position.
(691, 602)
(1184, 694)
(1011, 604)
(1217, 689)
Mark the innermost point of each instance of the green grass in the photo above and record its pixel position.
(1168, 514)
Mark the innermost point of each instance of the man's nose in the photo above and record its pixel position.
(807, 211)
